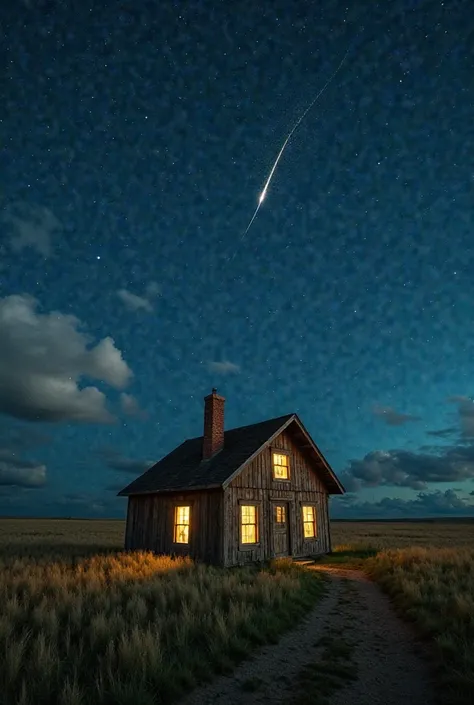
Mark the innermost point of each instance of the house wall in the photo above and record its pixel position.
(150, 524)
(256, 484)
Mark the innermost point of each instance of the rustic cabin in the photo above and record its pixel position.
(237, 496)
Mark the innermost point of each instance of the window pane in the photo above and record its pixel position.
(181, 524)
(309, 522)
(182, 534)
(182, 515)
(280, 514)
(308, 514)
(248, 514)
(281, 465)
(249, 534)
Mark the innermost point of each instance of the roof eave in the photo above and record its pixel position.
(181, 489)
(332, 475)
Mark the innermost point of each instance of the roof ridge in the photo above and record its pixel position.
(248, 425)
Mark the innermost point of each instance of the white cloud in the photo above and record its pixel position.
(223, 368)
(134, 302)
(16, 472)
(130, 405)
(43, 359)
(31, 226)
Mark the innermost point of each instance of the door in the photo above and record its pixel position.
(281, 528)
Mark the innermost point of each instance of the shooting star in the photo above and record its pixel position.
(263, 194)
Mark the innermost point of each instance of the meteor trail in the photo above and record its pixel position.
(295, 126)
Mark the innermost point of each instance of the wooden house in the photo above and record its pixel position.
(237, 496)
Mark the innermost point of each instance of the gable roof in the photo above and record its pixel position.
(184, 468)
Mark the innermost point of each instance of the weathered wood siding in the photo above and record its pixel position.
(150, 524)
(256, 484)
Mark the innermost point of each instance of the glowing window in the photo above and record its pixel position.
(248, 523)
(280, 514)
(309, 522)
(181, 524)
(281, 466)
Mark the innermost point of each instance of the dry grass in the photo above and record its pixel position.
(78, 626)
(428, 569)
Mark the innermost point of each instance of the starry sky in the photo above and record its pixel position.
(136, 137)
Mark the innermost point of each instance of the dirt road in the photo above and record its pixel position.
(350, 650)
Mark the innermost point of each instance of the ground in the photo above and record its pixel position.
(351, 650)
(388, 618)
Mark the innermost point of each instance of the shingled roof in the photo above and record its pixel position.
(184, 468)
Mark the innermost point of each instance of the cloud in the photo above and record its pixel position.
(84, 504)
(115, 461)
(130, 405)
(404, 468)
(425, 504)
(20, 437)
(43, 359)
(392, 417)
(443, 432)
(31, 226)
(223, 368)
(16, 472)
(133, 302)
(466, 414)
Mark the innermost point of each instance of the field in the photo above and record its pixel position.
(82, 622)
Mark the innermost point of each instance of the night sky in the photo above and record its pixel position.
(135, 140)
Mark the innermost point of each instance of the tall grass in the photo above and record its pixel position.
(434, 587)
(133, 627)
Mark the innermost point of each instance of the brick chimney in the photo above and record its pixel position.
(213, 440)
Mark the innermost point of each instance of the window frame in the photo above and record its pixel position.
(314, 522)
(258, 528)
(287, 454)
(177, 506)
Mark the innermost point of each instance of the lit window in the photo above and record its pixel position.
(281, 466)
(248, 523)
(280, 514)
(181, 524)
(309, 522)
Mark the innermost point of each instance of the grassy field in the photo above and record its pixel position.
(404, 534)
(428, 570)
(81, 622)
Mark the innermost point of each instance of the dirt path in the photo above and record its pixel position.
(351, 650)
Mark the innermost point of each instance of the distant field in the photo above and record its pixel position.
(381, 534)
(86, 536)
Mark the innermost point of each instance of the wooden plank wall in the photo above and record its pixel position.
(256, 483)
(150, 524)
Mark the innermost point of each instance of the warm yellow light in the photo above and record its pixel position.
(181, 524)
(309, 522)
(248, 523)
(280, 514)
(281, 465)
